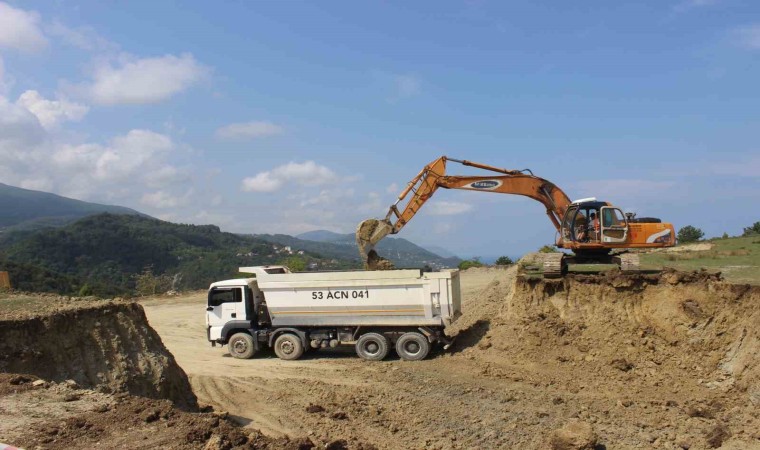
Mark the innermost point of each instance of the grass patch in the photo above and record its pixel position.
(737, 258)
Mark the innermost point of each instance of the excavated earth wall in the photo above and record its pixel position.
(686, 319)
(108, 346)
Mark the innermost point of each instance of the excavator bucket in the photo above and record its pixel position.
(369, 233)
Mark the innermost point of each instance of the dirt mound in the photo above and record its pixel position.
(668, 347)
(104, 345)
(81, 418)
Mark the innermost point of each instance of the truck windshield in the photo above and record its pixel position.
(217, 296)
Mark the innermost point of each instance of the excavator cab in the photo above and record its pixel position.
(588, 221)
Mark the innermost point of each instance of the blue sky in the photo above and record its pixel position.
(293, 116)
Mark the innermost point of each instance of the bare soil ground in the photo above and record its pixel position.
(611, 361)
(635, 361)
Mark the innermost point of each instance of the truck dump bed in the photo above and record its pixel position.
(373, 298)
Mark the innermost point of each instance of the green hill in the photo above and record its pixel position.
(107, 251)
(28, 209)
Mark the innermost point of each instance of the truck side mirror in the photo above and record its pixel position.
(209, 308)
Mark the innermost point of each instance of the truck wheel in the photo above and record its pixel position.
(412, 346)
(372, 346)
(288, 347)
(241, 346)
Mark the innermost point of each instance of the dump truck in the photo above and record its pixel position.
(373, 311)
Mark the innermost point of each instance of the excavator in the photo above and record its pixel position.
(595, 231)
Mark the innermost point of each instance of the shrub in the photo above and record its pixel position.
(147, 283)
(86, 290)
(548, 249)
(295, 264)
(689, 234)
(504, 261)
(753, 230)
(466, 264)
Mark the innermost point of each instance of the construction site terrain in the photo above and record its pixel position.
(589, 361)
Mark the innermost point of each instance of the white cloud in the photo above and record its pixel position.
(20, 29)
(51, 113)
(393, 189)
(5, 81)
(307, 173)
(143, 80)
(747, 168)
(618, 190)
(445, 208)
(248, 130)
(85, 38)
(406, 86)
(137, 153)
(166, 175)
(748, 36)
(687, 5)
(161, 200)
(19, 130)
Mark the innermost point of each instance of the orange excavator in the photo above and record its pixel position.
(596, 231)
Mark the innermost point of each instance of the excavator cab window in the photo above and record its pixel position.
(567, 224)
(614, 225)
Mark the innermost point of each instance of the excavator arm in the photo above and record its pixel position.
(433, 176)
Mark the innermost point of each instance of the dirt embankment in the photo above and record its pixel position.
(108, 346)
(669, 360)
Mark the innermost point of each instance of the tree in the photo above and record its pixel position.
(295, 264)
(725, 235)
(466, 264)
(504, 261)
(146, 283)
(753, 230)
(548, 249)
(689, 234)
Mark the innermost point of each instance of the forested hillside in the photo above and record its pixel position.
(28, 209)
(108, 251)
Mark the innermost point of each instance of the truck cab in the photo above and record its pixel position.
(237, 304)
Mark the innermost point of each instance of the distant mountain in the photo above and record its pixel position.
(329, 244)
(28, 209)
(322, 236)
(108, 251)
(440, 251)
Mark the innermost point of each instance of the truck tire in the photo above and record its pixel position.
(288, 346)
(372, 347)
(241, 346)
(412, 346)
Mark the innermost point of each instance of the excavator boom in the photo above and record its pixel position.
(433, 176)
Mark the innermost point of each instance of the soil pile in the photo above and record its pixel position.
(62, 415)
(104, 345)
(677, 351)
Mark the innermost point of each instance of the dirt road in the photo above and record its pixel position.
(514, 377)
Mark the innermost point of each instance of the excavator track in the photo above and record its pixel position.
(545, 265)
(628, 262)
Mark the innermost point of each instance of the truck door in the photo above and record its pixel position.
(614, 225)
(225, 304)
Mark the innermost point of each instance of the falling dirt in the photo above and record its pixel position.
(368, 234)
(377, 262)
